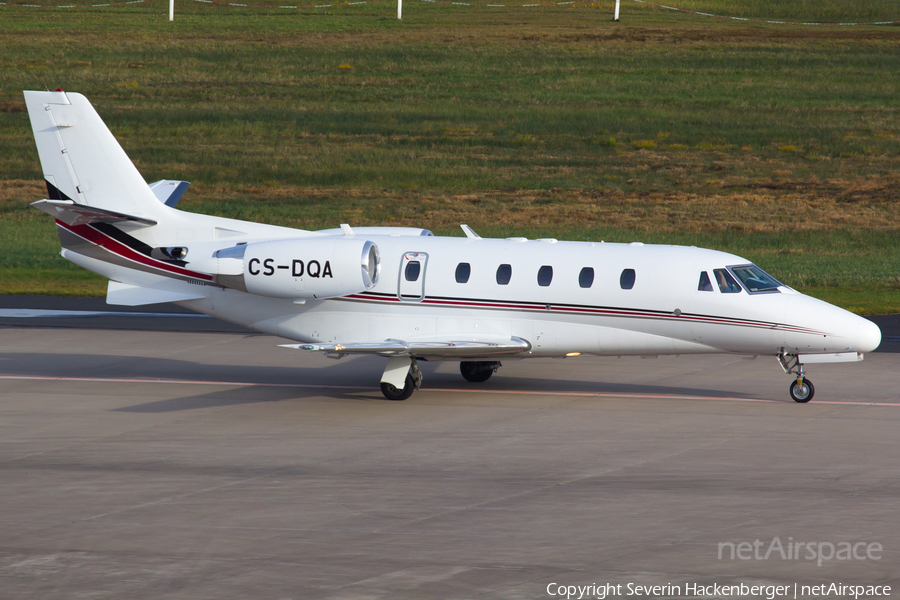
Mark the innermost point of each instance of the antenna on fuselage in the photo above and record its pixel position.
(469, 233)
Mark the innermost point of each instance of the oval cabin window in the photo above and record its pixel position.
(463, 270)
(586, 277)
(627, 279)
(545, 276)
(504, 274)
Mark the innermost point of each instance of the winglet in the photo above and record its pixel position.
(346, 229)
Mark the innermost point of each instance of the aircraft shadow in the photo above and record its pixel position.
(538, 385)
(258, 384)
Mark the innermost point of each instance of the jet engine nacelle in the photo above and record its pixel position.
(298, 268)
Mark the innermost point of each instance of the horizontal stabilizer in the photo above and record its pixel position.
(168, 191)
(122, 294)
(72, 213)
(435, 348)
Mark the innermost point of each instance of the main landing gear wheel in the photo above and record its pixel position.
(477, 372)
(802, 391)
(392, 393)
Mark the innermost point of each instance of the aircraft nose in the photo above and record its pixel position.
(867, 337)
(846, 332)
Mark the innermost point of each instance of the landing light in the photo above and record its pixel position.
(574, 354)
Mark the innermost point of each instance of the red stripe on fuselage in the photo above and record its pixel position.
(608, 312)
(116, 247)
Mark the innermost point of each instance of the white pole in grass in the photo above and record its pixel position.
(616, 14)
(171, 10)
(399, 9)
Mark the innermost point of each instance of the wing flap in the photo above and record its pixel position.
(469, 348)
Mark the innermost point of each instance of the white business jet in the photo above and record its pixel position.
(406, 295)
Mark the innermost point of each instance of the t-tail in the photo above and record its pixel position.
(89, 177)
(110, 221)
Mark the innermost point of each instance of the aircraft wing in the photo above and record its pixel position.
(462, 348)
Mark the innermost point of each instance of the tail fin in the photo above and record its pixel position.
(82, 161)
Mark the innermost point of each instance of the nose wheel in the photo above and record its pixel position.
(802, 390)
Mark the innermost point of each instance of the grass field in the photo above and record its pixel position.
(777, 142)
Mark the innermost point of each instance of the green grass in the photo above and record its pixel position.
(825, 11)
(775, 142)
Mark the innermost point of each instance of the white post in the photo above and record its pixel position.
(399, 9)
(616, 15)
(171, 10)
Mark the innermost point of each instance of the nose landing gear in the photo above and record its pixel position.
(802, 390)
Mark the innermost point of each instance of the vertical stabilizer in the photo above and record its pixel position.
(81, 159)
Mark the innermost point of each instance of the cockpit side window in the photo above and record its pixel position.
(755, 279)
(705, 285)
(727, 284)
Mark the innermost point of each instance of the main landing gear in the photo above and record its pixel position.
(478, 372)
(392, 393)
(802, 389)
(402, 376)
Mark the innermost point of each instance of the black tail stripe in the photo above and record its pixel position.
(53, 192)
(122, 237)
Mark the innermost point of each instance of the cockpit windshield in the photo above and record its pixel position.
(755, 279)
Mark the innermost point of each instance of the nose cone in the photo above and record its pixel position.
(832, 329)
(868, 336)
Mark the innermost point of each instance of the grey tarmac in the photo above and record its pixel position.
(166, 464)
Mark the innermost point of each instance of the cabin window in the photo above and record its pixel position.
(727, 284)
(586, 277)
(705, 284)
(504, 274)
(755, 279)
(626, 280)
(413, 268)
(545, 275)
(463, 270)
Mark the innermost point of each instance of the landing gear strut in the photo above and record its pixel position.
(478, 372)
(802, 389)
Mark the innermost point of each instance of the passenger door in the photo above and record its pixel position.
(412, 276)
